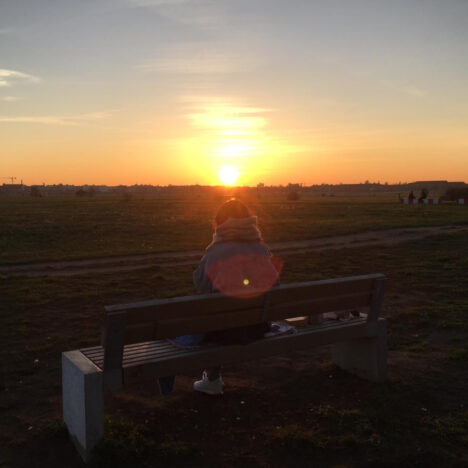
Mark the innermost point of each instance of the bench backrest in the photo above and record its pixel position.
(167, 318)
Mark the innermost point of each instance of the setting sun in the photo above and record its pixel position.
(228, 175)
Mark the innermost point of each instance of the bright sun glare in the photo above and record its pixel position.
(228, 175)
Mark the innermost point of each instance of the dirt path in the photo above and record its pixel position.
(169, 259)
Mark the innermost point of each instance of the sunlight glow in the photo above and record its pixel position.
(235, 148)
(228, 175)
(230, 135)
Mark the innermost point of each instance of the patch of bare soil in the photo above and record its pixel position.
(170, 259)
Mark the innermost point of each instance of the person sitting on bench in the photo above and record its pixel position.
(236, 263)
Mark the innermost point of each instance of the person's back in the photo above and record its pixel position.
(235, 268)
(236, 263)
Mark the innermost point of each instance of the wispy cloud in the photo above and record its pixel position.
(99, 115)
(81, 119)
(205, 14)
(203, 58)
(39, 119)
(413, 91)
(224, 114)
(11, 98)
(409, 90)
(233, 128)
(8, 77)
(156, 3)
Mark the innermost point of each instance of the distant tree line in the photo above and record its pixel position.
(455, 193)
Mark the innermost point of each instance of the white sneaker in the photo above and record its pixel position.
(212, 387)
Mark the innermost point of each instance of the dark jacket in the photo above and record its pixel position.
(235, 268)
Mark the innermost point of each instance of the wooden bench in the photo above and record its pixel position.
(134, 345)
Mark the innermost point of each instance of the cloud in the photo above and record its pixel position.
(8, 77)
(100, 115)
(234, 129)
(203, 58)
(41, 120)
(156, 3)
(413, 91)
(11, 98)
(200, 63)
(200, 15)
(404, 89)
(81, 119)
(224, 115)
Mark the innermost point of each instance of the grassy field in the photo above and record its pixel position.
(295, 410)
(69, 228)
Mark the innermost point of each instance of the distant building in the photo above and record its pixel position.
(13, 190)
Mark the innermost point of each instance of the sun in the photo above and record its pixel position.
(228, 175)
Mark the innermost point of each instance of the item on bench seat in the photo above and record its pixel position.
(135, 345)
(280, 328)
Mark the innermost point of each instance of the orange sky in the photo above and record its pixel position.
(160, 92)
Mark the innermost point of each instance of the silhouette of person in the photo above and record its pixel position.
(237, 263)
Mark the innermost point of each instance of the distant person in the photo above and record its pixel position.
(235, 263)
(423, 195)
(411, 196)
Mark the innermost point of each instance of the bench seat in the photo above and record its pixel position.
(159, 358)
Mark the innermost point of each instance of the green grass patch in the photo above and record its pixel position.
(459, 354)
(128, 444)
(452, 427)
(125, 444)
(293, 437)
(58, 228)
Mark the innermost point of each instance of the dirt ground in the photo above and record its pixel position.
(170, 259)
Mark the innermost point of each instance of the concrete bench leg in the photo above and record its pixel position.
(82, 394)
(365, 357)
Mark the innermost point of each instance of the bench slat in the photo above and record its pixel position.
(149, 356)
(171, 327)
(206, 323)
(92, 353)
(321, 289)
(319, 306)
(195, 360)
(181, 307)
(135, 355)
(145, 353)
(206, 304)
(135, 360)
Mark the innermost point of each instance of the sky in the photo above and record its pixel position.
(246, 91)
